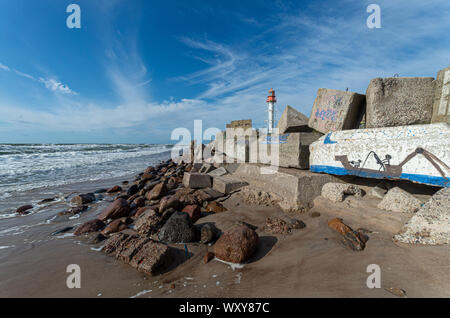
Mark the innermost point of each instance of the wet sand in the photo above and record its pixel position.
(310, 262)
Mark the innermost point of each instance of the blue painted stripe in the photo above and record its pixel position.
(426, 179)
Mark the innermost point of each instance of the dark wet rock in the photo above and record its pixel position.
(132, 190)
(215, 207)
(177, 229)
(148, 223)
(83, 199)
(125, 182)
(116, 226)
(352, 239)
(100, 191)
(95, 238)
(123, 196)
(193, 211)
(139, 202)
(236, 245)
(48, 200)
(24, 209)
(114, 189)
(169, 202)
(62, 231)
(157, 192)
(117, 209)
(208, 233)
(315, 214)
(90, 226)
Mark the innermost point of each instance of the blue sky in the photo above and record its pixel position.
(138, 69)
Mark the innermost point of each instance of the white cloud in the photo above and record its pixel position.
(56, 86)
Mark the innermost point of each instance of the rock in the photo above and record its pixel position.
(96, 238)
(153, 258)
(90, 226)
(117, 209)
(47, 200)
(114, 189)
(132, 190)
(193, 211)
(215, 207)
(399, 101)
(352, 239)
(62, 231)
(292, 121)
(139, 202)
(336, 192)
(441, 108)
(207, 194)
(24, 209)
(398, 200)
(83, 199)
(208, 233)
(148, 223)
(377, 192)
(335, 110)
(157, 192)
(315, 214)
(218, 172)
(275, 225)
(178, 229)
(116, 226)
(100, 191)
(208, 257)
(227, 184)
(397, 292)
(196, 180)
(236, 245)
(431, 224)
(294, 149)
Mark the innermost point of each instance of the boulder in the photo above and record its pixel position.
(431, 224)
(441, 105)
(117, 209)
(398, 200)
(114, 189)
(336, 192)
(133, 190)
(88, 227)
(215, 207)
(115, 226)
(335, 110)
(24, 209)
(148, 223)
(292, 121)
(177, 229)
(196, 180)
(193, 211)
(139, 202)
(355, 240)
(208, 233)
(83, 199)
(170, 202)
(157, 192)
(399, 101)
(236, 245)
(154, 258)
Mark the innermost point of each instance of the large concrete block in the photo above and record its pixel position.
(294, 151)
(244, 123)
(441, 106)
(292, 121)
(399, 101)
(418, 153)
(196, 180)
(335, 110)
(227, 185)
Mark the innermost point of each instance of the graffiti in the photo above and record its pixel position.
(388, 170)
(275, 139)
(326, 114)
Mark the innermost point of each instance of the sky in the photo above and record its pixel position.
(138, 69)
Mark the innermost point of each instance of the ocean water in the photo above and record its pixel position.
(25, 167)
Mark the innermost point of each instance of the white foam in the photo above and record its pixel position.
(142, 293)
(5, 247)
(232, 265)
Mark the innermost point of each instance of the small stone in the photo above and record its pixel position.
(315, 214)
(397, 292)
(215, 207)
(24, 209)
(114, 189)
(336, 192)
(398, 200)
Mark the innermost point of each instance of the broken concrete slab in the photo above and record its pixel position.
(297, 188)
(206, 168)
(398, 200)
(294, 152)
(399, 101)
(335, 110)
(196, 180)
(292, 121)
(417, 153)
(431, 224)
(336, 192)
(227, 184)
(441, 106)
(221, 171)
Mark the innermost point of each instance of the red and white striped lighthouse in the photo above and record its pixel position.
(271, 100)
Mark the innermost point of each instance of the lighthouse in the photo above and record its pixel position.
(271, 100)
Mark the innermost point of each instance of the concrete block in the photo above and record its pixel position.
(336, 192)
(206, 168)
(399, 101)
(244, 123)
(335, 110)
(294, 153)
(227, 185)
(292, 121)
(196, 180)
(218, 172)
(441, 106)
(418, 153)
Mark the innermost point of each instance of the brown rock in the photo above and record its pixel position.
(215, 207)
(117, 209)
(139, 202)
(148, 223)
(90, 226)
(115, 226)
(157, 192)
(208, 257)
(193, 211)
(24, 209)
(169, 202)
(208, 233)
(237, 244)
(275, 225)
(355, 240)
(83, 199)
(114, 189)
(153, 258)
